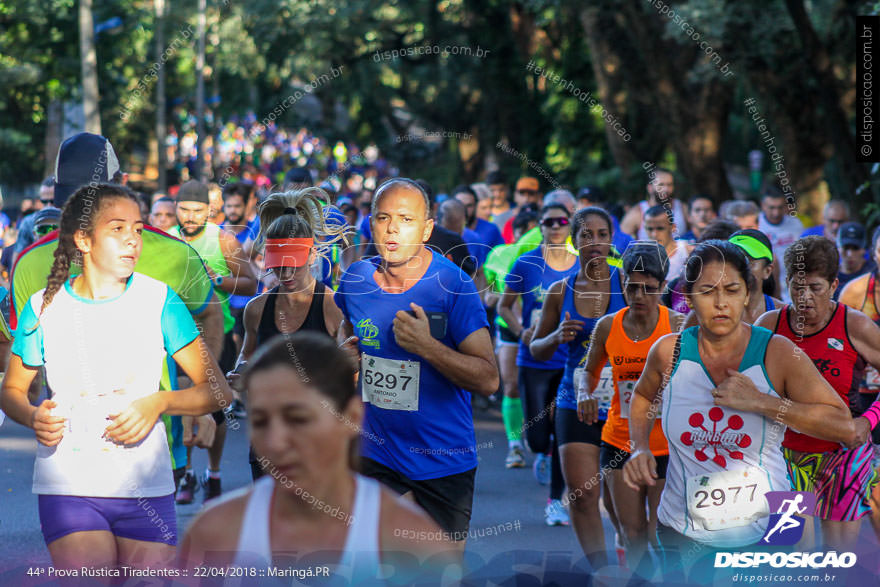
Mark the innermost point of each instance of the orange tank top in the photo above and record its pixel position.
(627, 359)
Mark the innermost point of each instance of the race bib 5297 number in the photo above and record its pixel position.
(389, 383)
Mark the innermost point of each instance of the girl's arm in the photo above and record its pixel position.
(807, 403)
(14, 402)
(641, 468)
(552, 331)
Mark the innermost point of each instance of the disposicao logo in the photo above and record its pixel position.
(786, 527)
(787, 523)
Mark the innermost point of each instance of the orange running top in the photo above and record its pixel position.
(627, 359)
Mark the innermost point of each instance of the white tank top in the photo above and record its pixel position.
(360, 557)
(721, 461)
(677, 215)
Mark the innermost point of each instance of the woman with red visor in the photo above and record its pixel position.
(288, 224)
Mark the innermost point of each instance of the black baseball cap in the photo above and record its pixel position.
(83, 159)
(193, 191)
(851, 234)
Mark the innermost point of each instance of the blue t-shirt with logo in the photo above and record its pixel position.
(436, 439)
(531, 277)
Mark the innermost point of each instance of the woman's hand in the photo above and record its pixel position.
(136, 421)
(640, 470)
(351, 348)
(567, 330)
(48, 428)
(527, 334)
(205, 428)
(738, 392)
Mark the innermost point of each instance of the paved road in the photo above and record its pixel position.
(510, 536)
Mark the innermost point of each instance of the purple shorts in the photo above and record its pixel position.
(151, 519)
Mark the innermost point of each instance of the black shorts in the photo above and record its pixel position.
(448, 500)
(570, 429)
(611, 457)
(506, 336)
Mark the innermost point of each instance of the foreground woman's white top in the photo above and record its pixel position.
(360, 556)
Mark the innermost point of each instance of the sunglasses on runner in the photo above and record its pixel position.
(551, 222)
(45, 229)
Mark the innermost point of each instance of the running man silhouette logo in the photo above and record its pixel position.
(788, 509)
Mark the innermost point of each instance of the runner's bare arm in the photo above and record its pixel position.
(505, 310)
(210, 325)
(242, 280)
(588, 408)
(544, 341)
(806, 401)
(596, 355)
(14, 402)
(631, 221)
(654, 377)
(332, 315)
(471, 366)
(768, 320)
(853, 293)
(865, 336)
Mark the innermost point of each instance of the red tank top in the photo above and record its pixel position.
(834, 356)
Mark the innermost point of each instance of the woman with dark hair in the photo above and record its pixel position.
(305, 421)
(528, 281)
(288, 224)
(624, 338)
(730, 390)
(838, 340)
(571, 309)
(103, 470)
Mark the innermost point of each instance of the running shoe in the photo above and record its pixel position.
(515, 458)
(212, 488)
(555, 514)
(542, 469)
(187, 489)
(238, 411)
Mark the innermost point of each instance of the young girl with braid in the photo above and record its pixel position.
(289, 222)
(102, 472)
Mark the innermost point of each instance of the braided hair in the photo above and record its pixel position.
(299, 214)
(79, 213)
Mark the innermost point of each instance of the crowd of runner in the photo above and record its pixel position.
(670, 362)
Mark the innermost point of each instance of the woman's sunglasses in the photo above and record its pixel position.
(551, 222)
(45, 229)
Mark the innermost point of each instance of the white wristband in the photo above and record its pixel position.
(584, 396)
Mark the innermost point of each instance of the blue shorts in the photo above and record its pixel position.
(151, 519)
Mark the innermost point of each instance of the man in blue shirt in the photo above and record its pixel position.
(834, 214)
(417, 325)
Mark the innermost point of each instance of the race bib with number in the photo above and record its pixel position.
(872, 378)
(604, 389)
(626, 389)
(728, 499)
(390, 384)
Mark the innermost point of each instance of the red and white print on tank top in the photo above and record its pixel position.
(717, 437)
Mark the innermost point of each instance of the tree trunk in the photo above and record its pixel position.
(852, 173)
(89, 67)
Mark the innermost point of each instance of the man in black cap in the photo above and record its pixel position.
(851, 243)
(84, 159)
(297, 179)
(231, 272)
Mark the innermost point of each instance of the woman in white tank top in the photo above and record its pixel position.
(310, 508)
(727, 436)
